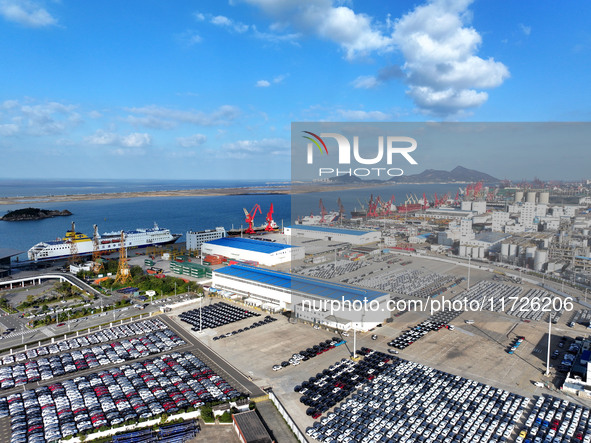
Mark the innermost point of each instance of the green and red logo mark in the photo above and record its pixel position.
(316, 142)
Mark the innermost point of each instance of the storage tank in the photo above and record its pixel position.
(544, 198)
(463, 251)
(481, 252)
(505, 249)
(530, 251)
(518, 196)
(512, 250)
(531, 197)
(540, 257)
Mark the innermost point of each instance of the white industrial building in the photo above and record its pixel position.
(196, 239)
(312, 300)
(482, 244)
(353, 236)
(263, 252)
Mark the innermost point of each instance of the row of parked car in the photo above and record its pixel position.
(307, 354)
(213, 316)
(256, 324)
(102, 336)
(140, 390)
(326, 389)
(554, 420)
(515, 344)
(435, 322)
(89, 357)
(410, 402)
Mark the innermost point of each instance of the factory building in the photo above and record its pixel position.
(196, 239)
(353, 236)
(308, 298)
(482, 244)
(263, 252)
(499, 220)
(445, 213)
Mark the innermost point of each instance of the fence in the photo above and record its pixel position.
(299, 434)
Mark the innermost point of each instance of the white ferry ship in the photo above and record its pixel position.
(107, 242)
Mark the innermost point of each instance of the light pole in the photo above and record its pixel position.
(549, 338)
(469, 258)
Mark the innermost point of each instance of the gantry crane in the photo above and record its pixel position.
(249, 217)
(271, 225)
(323, 212)
(123, 274)
(96, 254)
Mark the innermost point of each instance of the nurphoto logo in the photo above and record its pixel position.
(395, 145)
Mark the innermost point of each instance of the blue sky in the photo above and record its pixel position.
(208, 89)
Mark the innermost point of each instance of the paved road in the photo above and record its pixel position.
(216, 362)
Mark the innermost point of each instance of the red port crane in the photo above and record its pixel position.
(269, 220)
(250, 217)
(341, 209)
(323, 212)
(372, 206)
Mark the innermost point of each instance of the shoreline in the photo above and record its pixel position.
(211, 192)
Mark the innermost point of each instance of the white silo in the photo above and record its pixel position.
(462, 251)
(540, 258)
(505, 250)
(512, 250)
(481, 252)
(518, 196)
(544, 198)
(531, 197)
(530, 251)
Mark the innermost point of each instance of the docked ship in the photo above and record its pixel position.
(81, 244)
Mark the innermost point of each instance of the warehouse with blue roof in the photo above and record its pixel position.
(278, 290)
(329, 233)
(266, 253)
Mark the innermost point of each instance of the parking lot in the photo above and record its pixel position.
(156, 338)
(476, 351)
(140, 390)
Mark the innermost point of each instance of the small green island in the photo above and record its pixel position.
(33, 214)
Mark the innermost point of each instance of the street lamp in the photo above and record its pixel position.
(469, 258)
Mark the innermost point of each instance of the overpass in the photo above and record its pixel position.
(38, 279)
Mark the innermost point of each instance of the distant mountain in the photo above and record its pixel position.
(458, 174)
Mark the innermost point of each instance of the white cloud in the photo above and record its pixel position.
(279, 78)
(351, 114)
(276, 80)
(26, 12)
(355, 33)
(199, 16)
(220, 20)
(164, 118)
(191, 141)
(8, 129)
(38, 119)
(189, 38)
(365, 82)
(441, 66)
(250, 148)
(133, 140)
(525, 29)
(136, 140)
(101, 137)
